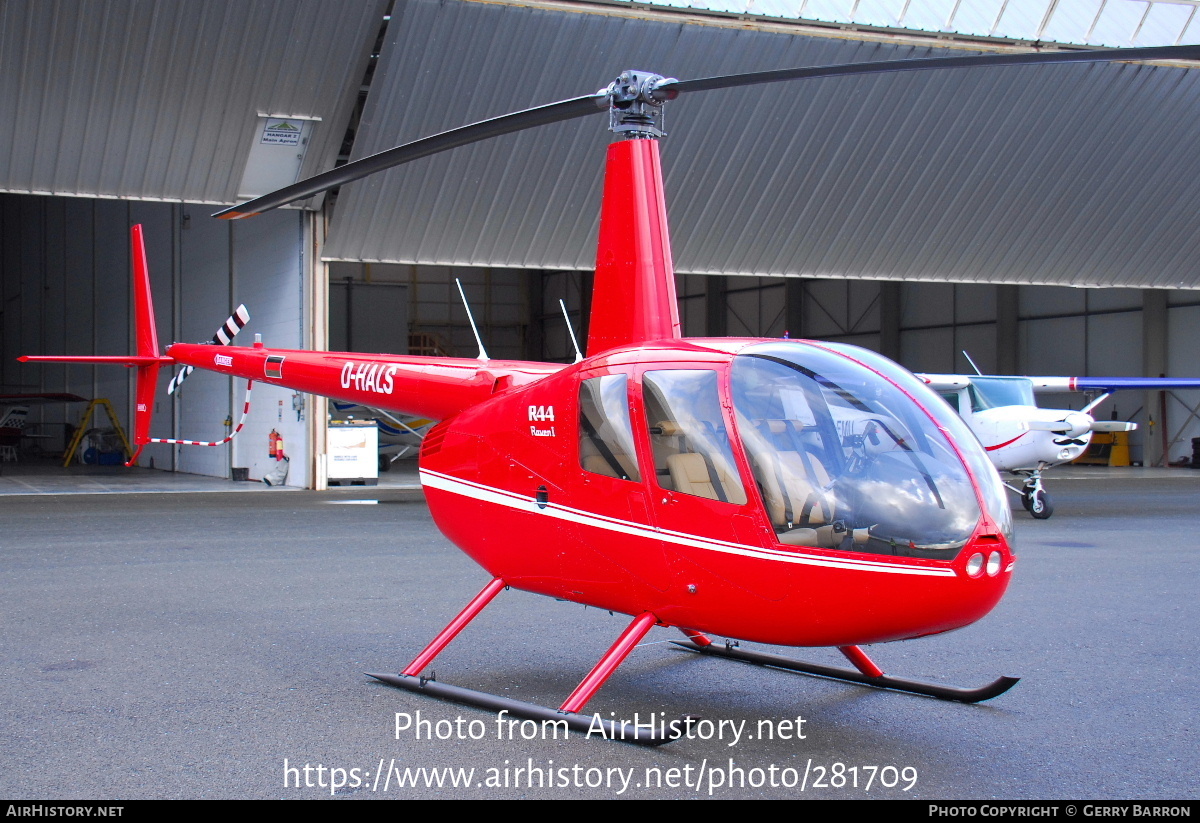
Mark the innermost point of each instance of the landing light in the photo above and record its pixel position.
(975, 565)
(993, 564)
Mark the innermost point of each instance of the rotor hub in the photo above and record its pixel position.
(635, 101)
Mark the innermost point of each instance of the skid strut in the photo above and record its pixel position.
(567, 714)
(865, 672)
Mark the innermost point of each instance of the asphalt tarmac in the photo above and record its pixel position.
(212, 645)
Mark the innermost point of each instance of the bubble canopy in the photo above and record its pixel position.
(849, 451)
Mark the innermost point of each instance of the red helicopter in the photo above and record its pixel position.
(787, 492)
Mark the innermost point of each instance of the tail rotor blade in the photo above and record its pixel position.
(224, 336)
(178, 379)
(236, 322)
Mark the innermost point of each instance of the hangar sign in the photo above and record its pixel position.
(280, 132)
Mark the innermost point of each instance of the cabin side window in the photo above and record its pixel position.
(605, 432)
(691, 447)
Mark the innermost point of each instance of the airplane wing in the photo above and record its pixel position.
(952, 382)
(945, 382)
(37, 399)
(1111, 384)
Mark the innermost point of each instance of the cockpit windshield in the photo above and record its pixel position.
(846, 460)
(994, 392)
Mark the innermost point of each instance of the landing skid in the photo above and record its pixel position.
(582, 724)
(568, 714)
(568, 717)
(859, 658)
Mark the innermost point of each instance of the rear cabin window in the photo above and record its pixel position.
(691, 447)
(605, 433)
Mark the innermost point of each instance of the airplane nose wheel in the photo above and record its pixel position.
(1035, 500)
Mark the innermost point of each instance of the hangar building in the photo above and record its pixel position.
(1039, 218)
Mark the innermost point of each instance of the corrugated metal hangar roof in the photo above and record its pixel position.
(161, 100)
(1114, 23)
(1066, 175)
(1080, 175)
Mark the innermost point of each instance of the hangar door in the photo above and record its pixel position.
(368, 317)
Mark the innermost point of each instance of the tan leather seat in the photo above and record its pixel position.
(692, 474)
(797, 493)
(598, 465)
(788, 487)
(689, 475)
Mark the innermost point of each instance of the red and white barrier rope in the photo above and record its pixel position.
(232, 434)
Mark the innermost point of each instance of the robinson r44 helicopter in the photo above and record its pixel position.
(787, 492)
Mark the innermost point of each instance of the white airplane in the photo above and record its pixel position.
(14, 417)
(1024, 439)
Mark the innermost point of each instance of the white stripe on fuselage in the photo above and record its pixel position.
(500, 497)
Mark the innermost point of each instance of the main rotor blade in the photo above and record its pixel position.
(461, 136)
(921, 64)
(596, 103)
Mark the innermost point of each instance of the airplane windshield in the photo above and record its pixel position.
(845, 460)
(994, 392)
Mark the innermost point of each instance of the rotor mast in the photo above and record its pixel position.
(633, 297)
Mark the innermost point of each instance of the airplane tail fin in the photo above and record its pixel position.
(147, 361)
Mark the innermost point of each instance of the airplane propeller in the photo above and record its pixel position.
(636, 97)
(1075, 424)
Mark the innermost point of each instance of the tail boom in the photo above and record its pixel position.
(433, 387)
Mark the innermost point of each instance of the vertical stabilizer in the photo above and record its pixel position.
(143, 305)
(147, 361)
(147, 344)
(634, 296)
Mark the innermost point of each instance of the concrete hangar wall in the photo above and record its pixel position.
(1034, 330)
(65, 289)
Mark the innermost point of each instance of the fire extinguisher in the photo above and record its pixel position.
(273, 444)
